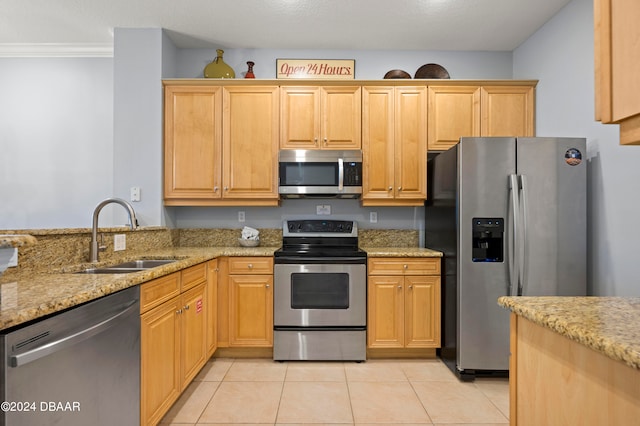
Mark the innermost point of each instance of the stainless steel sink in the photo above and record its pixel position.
(144, 263)
(128, 267)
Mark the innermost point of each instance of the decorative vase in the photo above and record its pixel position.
(219, 68)
(249, 73)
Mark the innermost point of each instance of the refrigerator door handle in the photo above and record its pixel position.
(513, 238)
(523, 258)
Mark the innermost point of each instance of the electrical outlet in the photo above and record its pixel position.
(324, 209)
(373, 217)
(240, 216)
(13, 260)
(119, 242)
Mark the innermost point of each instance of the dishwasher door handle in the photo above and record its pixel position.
(72, 339)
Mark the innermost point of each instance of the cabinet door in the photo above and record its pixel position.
(454, 112)
(411, 144)
(507, 111)
(251, 310)
(250, 142)
(341, 115)
(192, 142)
(300, 117)
(160, 361)
(378, 143)
(385, 325)
(193, 320)
(422, 311)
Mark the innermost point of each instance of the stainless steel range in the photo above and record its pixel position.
(320, 292)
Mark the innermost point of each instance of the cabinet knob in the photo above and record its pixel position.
(399, 286)
(399, 188)
(325, 141)
(186, 307)
(315, 141)
(268, 286)
(391, 188)
(250, 266)
(405, 266)
(215, 189)
(410, 287)
(179, 311)
(226, 188)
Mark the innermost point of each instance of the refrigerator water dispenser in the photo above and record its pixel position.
(488, 239)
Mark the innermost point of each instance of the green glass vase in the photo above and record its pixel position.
(218, 68)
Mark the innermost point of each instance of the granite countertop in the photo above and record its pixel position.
(610, 325)
(17, 240)
(401, 252)
(31, 296)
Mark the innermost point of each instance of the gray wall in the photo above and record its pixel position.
(560, 55)
(56, 141)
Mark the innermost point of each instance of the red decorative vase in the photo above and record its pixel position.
(249, 73)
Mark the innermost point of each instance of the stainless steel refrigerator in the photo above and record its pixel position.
(509, 214)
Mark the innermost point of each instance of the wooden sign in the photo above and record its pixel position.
(341, 69)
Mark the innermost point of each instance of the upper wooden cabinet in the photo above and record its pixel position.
(457, 111)
(394, 145)
(320, 117)
(617, 66)
(192, 143)
(454, 112)
(221, 145)
(507, 111)
(250, 131)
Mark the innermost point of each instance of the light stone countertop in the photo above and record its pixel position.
(401, 252)
(31, 296)
(17, 240)
(610, 325)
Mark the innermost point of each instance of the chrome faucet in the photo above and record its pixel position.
(93, 249)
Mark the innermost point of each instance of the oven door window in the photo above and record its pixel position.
(320, 291)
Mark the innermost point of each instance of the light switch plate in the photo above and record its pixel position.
(373, 217)
(323, 209)
(119, 242)
(135, 193)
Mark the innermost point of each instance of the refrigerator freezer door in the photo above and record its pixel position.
(484, 167)
(556, 201)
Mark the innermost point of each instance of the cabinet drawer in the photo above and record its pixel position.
(250, 265)
(404, 266)
(155, 292)
(193, 276)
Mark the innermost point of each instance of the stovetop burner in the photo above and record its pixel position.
(320, 238)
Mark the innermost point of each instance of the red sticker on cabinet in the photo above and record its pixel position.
(198, 306)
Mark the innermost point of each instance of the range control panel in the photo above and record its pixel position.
(317, 227)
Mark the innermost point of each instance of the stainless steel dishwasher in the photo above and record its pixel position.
(78, 367)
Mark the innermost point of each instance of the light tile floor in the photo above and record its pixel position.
(408, 392)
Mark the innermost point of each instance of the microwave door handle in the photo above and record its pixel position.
(340, 174)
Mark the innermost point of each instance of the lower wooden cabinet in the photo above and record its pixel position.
(173, 338)
(403, 303)
(250, 284)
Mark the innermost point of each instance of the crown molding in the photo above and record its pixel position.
(56, 50)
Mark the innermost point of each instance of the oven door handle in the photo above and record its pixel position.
(319, 260)
(319, 328)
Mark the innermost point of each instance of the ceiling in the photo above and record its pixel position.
(495, 25)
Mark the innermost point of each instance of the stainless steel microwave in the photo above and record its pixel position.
(320, 173)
